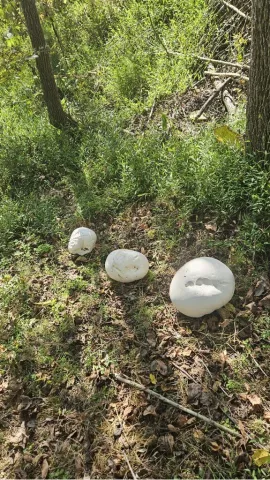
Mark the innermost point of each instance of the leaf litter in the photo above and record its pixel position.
(82, 420)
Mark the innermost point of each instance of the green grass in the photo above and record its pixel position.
(140, 182)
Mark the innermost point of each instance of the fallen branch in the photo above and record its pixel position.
(226, 74)
(176, 405)
(134, 476)
(223, 62)
(228, 102)
(213, 60)
(232, 7)
(227, 99)
(210, 99)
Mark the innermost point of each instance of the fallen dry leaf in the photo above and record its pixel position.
(166, 443)
(267, 416)
(249, 295)
(186, 353)
(20, 437)
(151, 338)
(254, 400)
(265, 302)
(172, 428)
(159, 366)
(44, 469)
(261, 287)
(252, 307)
(206, 399)
(211, 226)
(182, 420)
(242, 429)
(81, 259)
(25, 403)
(127, 411)
(198, 435)
(243, 396)
(150, 410)
(215, 446)
(194, 392)
(226, 322)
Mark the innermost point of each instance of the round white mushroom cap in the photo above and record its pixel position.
(202, 286)
(126, 265)
(82, 241)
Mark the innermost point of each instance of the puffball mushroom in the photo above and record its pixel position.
(202, 286)
(126, 265)
(82, 241)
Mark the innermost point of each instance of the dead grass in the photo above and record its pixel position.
(65, 327)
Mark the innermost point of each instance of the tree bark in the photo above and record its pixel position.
(258, 106)
(58, 118)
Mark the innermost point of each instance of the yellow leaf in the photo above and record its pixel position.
(261, 457)
(198, 435)
(226, 135)
(153, 379)
(46, 303)
(215, 447)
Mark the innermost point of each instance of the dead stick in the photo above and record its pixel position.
(176, 405)
(134, 476)
(247, 17)
(226, 74)
(213, 60)
(210, 99)
(222, 62)
(184, 372)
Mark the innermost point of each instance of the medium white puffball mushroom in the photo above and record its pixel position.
(202, 286)
(82, 241)
(126, 265)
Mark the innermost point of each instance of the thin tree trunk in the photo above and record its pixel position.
(58, 118)
(258, 107)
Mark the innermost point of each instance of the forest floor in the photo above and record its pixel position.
(69, 327)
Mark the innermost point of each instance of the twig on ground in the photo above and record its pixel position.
(210, 99)
(176, 405)
(232, 7)
(213, 60)
(226, 74)
(222, 62)
(184, 372)
(134, 476)
(258, 365)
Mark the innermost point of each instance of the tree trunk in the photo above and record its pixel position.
(58, 118)
(258, 107)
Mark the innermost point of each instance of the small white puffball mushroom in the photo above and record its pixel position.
(82, 241)
(202, 286)
(126, 265)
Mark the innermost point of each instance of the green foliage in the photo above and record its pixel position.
(138, 67)
(111, 62)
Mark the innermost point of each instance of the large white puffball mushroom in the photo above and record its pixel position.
(202, 286)
(126, 265)
(82, 241)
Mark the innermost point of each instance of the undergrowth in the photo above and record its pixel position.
(141, 182)
(50, 182)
